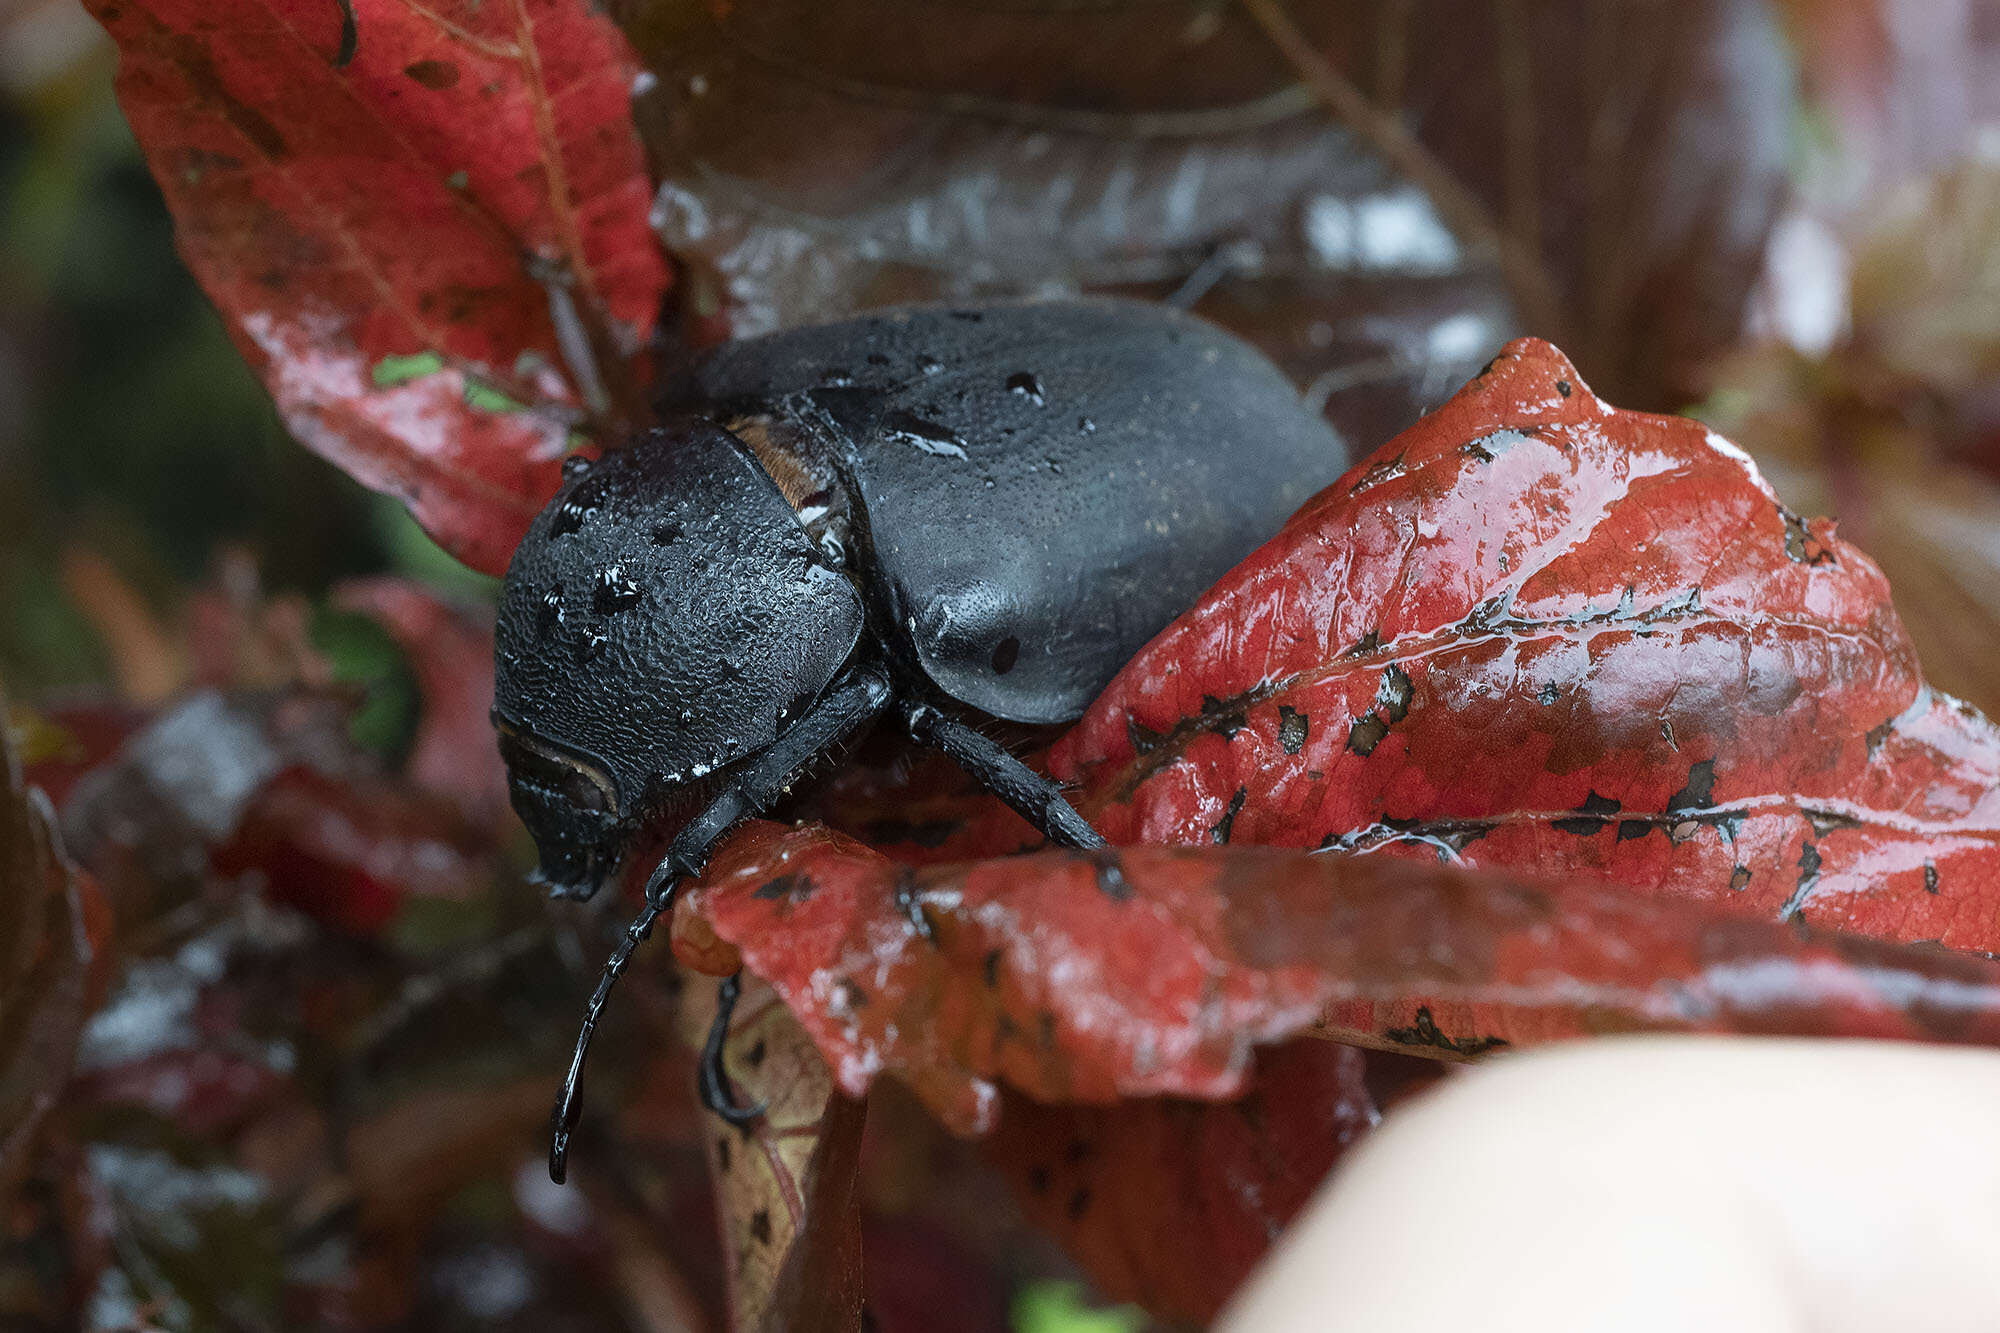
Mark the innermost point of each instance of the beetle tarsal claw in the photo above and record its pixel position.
(715, 1091)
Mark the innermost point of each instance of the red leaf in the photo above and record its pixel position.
(1172, 1203)
(1539, 633)
(386, 213)
(451, 655)
(1087, 977)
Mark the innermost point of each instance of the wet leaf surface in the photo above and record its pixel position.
(1171, 1203)
(1540, 634)
(809, 168)
(421, 223)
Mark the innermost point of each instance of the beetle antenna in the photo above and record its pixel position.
(569, 1106)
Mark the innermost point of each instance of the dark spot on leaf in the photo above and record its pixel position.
(1628, 829)
(1078, 1150)
(1699, 792)
(1876, 735)
(1809, 863)
(1220, 833)
(1079, 1203)
(1144, 739)
(786, 888)
(1038, 1179)
(1292, 728)
(1425, 1032)
(1590, 817)
(1800, 544)
(852, 995)
(755, 1058)
(1045, 1030)
(433, 74)
(1366, 734)
(1563, 388)
(1394, 695)
(1930, 878)
(760, 1226)
(1370, 642)
(1827, 821)
(193, 57)
(1005, 654)
(350, 34)
(1226, 717)
(1739, 879)
(989, 967)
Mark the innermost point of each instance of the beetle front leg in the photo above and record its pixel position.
(846, 708)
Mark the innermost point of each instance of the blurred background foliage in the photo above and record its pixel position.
(159, 530)
(135, 445)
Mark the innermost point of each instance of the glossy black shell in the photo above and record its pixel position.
(666, 615)
(1038, 488)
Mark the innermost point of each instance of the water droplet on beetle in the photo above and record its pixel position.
(930, 365)
(687, 716)
(549, 611)
(570, 516)
(836, 378)
(615, 591)
(1025, 384)
(1086, 426)
(591, 645)
(927, 435)
(575, 466)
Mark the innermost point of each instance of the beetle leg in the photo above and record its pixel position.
(1032, 796)
(849, 705)
(715, 1093)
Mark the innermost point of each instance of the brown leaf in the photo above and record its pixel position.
(45, 964)
(785, 1184)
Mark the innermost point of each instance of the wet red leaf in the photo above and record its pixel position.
(1539, 633)
(414, 218)
(1171, 1203)
(1149, 971)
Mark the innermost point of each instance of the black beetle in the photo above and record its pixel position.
(958, 513)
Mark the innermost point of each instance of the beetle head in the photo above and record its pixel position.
(664, 618)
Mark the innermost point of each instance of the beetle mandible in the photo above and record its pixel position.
(951, 514)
